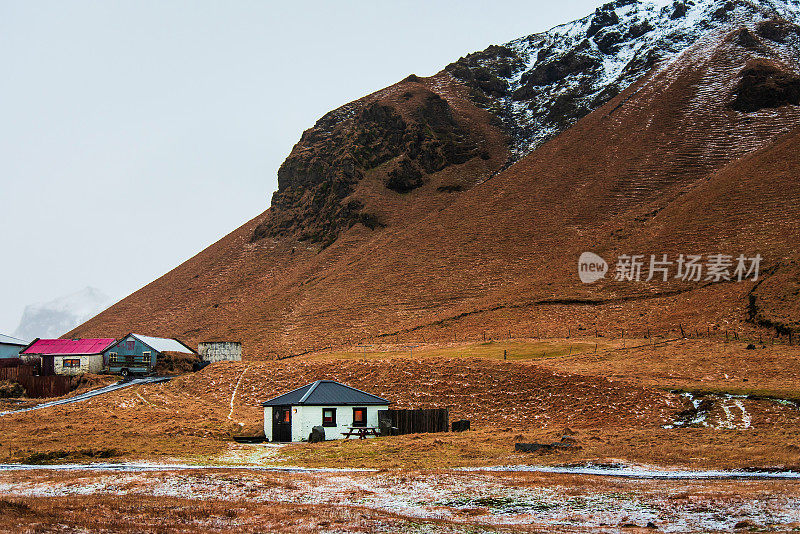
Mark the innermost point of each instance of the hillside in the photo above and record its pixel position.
(459, 204)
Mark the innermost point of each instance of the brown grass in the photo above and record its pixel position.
(136, 514)
(614, 399)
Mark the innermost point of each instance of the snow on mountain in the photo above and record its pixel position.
(52, 319)
(543, 83)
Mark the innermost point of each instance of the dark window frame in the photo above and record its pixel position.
(71, 362)
(360, 408)
(333, 417)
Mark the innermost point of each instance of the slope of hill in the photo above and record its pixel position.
(432, 209)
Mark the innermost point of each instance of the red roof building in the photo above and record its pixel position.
(60, 347)
(69, 356)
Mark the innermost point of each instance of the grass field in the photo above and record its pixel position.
(614, 397)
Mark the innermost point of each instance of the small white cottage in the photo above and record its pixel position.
(338, 408)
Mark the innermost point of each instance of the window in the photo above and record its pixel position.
(71, 362)
(130, 344)
(329, 417)
(112, 357)
(359, 417)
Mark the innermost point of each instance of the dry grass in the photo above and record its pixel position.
(385, 501)
(697, 365)
(696, 448)
(136, 514)
(510, 349)
(614, 398)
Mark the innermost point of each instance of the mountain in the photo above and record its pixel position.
(459, 204)
(52, 319)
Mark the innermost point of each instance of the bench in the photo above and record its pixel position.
(361, 431)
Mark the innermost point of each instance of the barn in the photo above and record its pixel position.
(138, 354)
(10, 347)
(338, 408)
(68, 356)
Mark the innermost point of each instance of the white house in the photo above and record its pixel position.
(334, 406)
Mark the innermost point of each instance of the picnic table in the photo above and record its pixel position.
(361, 431)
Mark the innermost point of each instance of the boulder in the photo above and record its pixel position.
(317, 435)
(461, 426)
(543, 447)
(386, 429)
(10, 389)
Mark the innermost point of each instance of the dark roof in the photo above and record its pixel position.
(325, 393)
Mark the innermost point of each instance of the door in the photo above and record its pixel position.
(48, 365)
(282, 423)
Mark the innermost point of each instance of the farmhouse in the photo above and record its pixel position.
(68, 356)
(338, 408)
(137, 354)
(10, 347)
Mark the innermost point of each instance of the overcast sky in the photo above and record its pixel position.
(121, 122)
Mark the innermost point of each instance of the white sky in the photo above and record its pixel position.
(120, 121)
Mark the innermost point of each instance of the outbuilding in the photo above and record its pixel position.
(336, 407)
(68, 356)
(10, 347)
(220, 351)
(138, 354)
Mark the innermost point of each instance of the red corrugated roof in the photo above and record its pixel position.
(69, 346)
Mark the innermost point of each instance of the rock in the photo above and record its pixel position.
(317, 435)
(316, 183)
(404, 177)
(777, 30)
(487, 69)
(608, 41)
(460, 426)
(386, 429)
(577, 61)
(532, 447)
(679, 11)
(765, 86)
(746, 39)
(543, 447)
(602, 19)
(10, 389)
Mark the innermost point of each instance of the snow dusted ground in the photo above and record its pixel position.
(557, 501)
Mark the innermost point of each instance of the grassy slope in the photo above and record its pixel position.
(613, 399)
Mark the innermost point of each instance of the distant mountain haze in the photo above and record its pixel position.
(54, 318)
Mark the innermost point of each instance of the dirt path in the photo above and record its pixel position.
(93, 393)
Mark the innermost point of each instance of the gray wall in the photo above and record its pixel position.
(10, 351)
(217, 351)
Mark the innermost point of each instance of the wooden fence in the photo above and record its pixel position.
(415, 421)
(37, 387)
